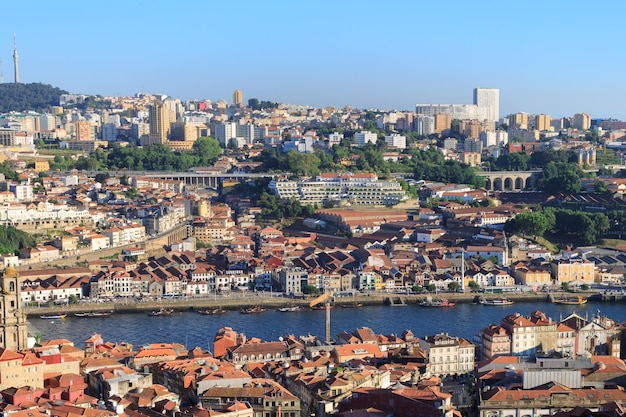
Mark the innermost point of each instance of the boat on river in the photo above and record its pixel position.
(93, 314)
(576, 301)
(161, 312)
(211, 311)
(53, 316)
(444, 302)
(351, 305)
(290, 309)
(252, 310)
(497, 302)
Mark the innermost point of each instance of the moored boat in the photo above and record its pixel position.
(212, 311)
(290, 309)
(351, 305)
(572, 301)
(497, 302)
(252, 310)
(53, 316)
(444, 302)
(93, 314)
(161, 312)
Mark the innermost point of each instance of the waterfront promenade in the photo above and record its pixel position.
(238, 300)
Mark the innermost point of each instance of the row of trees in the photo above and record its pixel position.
(588, 228)
(157, 157)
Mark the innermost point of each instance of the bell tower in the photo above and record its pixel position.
(13, 323)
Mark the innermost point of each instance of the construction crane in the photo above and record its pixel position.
(324, 299)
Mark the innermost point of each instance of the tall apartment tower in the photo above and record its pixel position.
(159, 123)
(13, 323)
(542, 122)
(489, 99)
(582, 121)
(15, 58)
(237, 97)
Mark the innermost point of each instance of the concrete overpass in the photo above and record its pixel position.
(510, 180)
(195, 179)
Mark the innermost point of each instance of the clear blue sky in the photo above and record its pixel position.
(548, 56)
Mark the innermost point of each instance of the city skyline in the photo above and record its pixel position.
(544, 58)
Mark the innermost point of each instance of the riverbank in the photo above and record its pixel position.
(237, 301)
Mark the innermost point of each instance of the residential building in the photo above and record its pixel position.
(448, 355)
(488, 99)
(582, 121)
(365, 137)
(362, 188)
(237, 98)
(396, 141)
(159, 123)
(542, 122)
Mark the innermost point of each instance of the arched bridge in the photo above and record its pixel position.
(510, 180)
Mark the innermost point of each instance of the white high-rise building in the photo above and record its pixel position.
(396, 141)
(424, 125)
(488, 98)
(224, 132)
(362, 138)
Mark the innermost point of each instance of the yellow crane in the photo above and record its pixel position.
(324, 299)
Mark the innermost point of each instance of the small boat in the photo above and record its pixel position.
(436, 303)
(212, 311)
(290, 309)
(92, 314)
(161, 312)
(252, 310)
(572, 301)
(53, 316)
(351, 305)
(497, 302)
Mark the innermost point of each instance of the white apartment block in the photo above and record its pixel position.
(224, 132)
(362, 188)
(364, 137)
(23, 192)
(494, 138)
(335, 138)
(396, 141)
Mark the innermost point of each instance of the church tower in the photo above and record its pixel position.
(13, 324)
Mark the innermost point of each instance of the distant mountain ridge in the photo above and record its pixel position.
(34, 96)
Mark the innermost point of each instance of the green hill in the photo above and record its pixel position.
(22, 97)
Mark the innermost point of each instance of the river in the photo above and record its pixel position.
(192, 329)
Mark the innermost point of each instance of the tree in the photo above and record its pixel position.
(453, 286)
(600, 187)
(431, 287)
(560, 177)
(310, 289)
(417, 289)
(532, 223)
(207, 149)
(473, 285)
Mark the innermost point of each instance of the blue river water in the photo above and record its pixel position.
(192, 329)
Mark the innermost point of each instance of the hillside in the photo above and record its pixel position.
(35, 96)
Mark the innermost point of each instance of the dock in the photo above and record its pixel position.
(395, 301)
